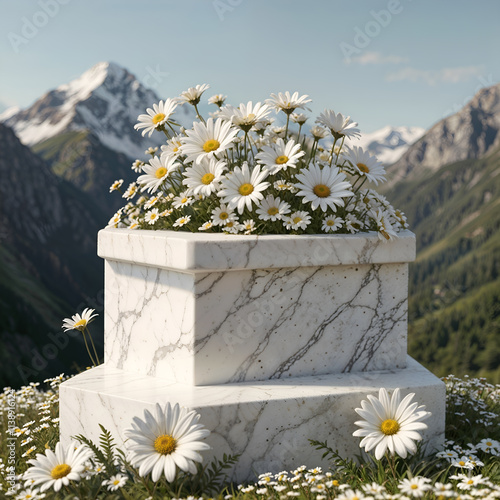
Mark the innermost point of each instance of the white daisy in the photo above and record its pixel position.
(385, 230)
(243, 187)
(365, 164)
(222, 215)
(192, 95)
(204, 178)
(116, 185)
(206, 225)
(416, 486)
(349, 494)
(297, 220)
(132, 189)
(247, 115)
(79, 322)
(281, 156)
(233, 227)
(319, 132)
(248, 226)
(352, 224)
(182, 221)
(115, 220)
(207, 140)
(152, 216)
(137, 166)
(173, 146)
(156, 118)
(53, 470)
(151, 150)
(115, 482)
(331, 224)
(323, 187)
(443, 490)
(288, 103)
(338, 125)
(217, 99)
(182, 200)
(299, 118)
(271, 208)
(30, 494)
(157, 171)
(151, 202)
(166, 440)
(390, 424)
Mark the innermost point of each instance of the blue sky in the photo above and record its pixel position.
(384, 62)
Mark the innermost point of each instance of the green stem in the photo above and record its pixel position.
(198, 114)
(93, 346)
(88, 350)
(286, 129)
(333, 150)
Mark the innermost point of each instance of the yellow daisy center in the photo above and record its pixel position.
(223, 215)
(207, 178)
(80, 324)
(363, 167)
(230, 224)
(389, 427)
(335, 482)
(184, 200)
(470, 481)
(281, 159)
(461, 463)
(160, 172)
(165, 444)
(60, 471)
(116, 482)
(158, 118)
(414, 486)
(153, 216)
(321, 190)
(273, 210)
(245, 189)
(330, 222)
(296, 220)
(489, 443)
(211, 145)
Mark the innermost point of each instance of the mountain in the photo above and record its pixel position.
(49, 266)
(469, 134)
(388, 144)
(105, 100)
(454, 209)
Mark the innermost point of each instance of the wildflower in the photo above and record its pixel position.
(416, 486)
(79, 322)
(156, 118)
(115, 482)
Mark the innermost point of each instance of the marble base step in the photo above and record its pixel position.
(267, 423)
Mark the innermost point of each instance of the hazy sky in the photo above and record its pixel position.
(384, 62)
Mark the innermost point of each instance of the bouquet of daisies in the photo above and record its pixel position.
(239, 172)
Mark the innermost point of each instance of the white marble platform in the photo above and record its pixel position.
(211, 309)
(268, 423)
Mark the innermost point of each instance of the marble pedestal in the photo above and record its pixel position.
(273, 339)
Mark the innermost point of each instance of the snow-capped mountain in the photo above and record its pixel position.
(388, 144)
(105, 100)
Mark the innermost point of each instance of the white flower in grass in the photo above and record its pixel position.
(152, 216)
(385, 229)
(156, 172)
(115, 482)
(298, 220)
(243, 187)
(132, 189)
(271, 208)
(281, 156)
(352, 224)
(207, 140)
(373, 489)
(349, 494)
(247, 115)
(416, 486)
(233, 227)
(79, 322)
(489, 446)
(323, 187)
(151, 202)
(365, 164)
(331, 224)
(30, 494)
(204, 178)
(390, 424)
(182, 200)
(469, 482)
(55, 469)
(222, 215)
(116, 185)
(443, 490)
(206, 225)
(338, 124)
(288, 103)
(463, 462)
(448, 454)
(182, 221)
(192, 95)
(168, 439)
(249, 226)
(156, 118)
(115, 220)
(137, 166)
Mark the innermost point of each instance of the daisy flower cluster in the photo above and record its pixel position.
(254, 169)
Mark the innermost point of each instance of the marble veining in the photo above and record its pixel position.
(268, 423)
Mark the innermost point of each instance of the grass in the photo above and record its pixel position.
(469, 466)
